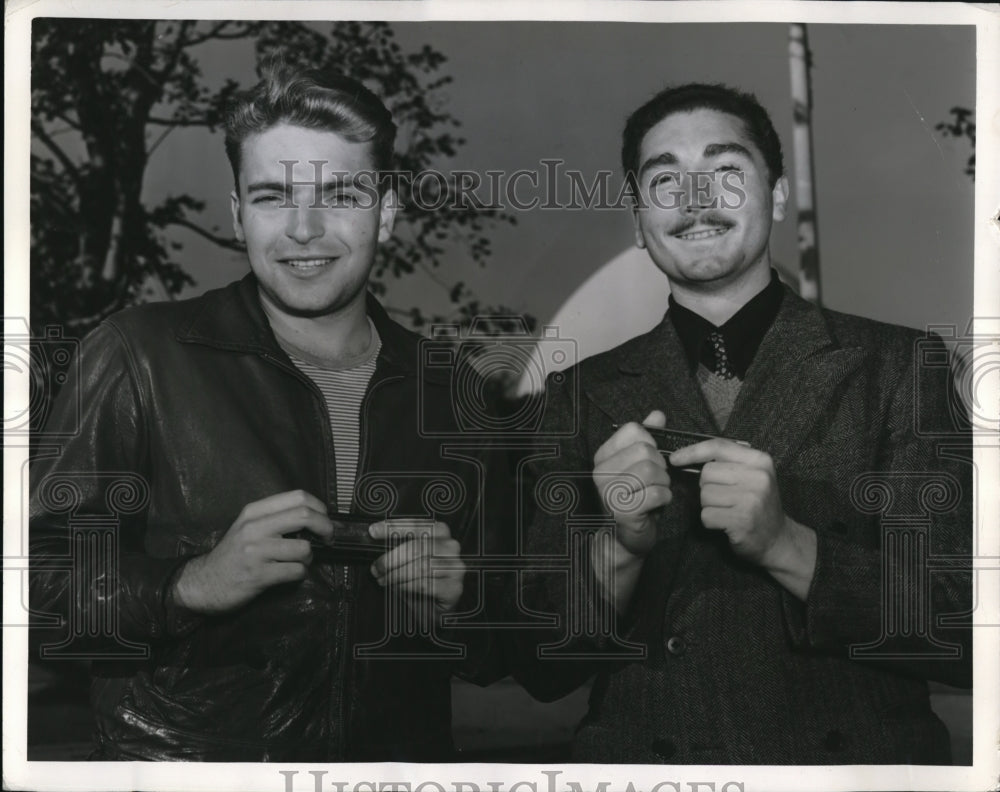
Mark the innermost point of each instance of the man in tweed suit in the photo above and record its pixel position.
(774, 606)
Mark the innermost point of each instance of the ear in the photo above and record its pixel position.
(234, 206)
(779, 199)
(640, 240)
(387, 214)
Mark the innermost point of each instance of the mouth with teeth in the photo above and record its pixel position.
(308, 264)
(698, 234)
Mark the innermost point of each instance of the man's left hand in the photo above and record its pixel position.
(426, 564)
(739, 495)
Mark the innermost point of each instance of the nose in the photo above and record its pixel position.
(304, 224)
(699, 192)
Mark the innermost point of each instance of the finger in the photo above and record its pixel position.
(730, 473)
(409, 528)
(656, 419)
(635, 478)
(415, 548)
(720, 449)
(640, 502)
(417, 574)
(629, 456)
(717, 518)
(719, 495)
(440, 593)
(629, 434)
(286, 549)
(447, 592)
(291, 519)
(281, 502)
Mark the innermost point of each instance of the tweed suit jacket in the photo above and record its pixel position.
(714, 662)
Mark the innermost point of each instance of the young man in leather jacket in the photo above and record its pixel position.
(219, 434)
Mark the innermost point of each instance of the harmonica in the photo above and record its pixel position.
(350, 543)
(670, 440)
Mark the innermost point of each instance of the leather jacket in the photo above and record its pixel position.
(182, 414)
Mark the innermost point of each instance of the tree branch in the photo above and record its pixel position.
(225, 242)
(158, 141)
(104, 313)
(68, 121)
(68, 165)
(217, 34)
(135, 66)
(175, 122)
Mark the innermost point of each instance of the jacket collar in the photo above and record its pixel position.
(787, 387)
(232, 318)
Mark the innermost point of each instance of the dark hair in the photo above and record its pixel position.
(313, 99)
(703, 96)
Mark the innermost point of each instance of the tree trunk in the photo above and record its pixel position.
(805, 192)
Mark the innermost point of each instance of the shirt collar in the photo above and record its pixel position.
(742, 333)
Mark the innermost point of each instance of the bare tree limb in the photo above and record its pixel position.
(158, 141)
(225, 242)
(216, 33)
(134, 65)
(104, 313)
(175, 53)
(68, 165)
(179, 122)
(109, 270)
(67, 120)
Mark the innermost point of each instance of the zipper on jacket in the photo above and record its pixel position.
(341, 631)
(364, 432)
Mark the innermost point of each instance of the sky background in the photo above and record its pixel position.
(895, 210)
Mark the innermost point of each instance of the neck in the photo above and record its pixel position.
(331, 337)
(719, 302)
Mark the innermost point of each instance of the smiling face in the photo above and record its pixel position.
(705, 205)
(311, 249)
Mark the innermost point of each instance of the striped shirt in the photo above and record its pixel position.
(343, 385)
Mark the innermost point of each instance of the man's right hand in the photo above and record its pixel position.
(629, 459)
(254, 554)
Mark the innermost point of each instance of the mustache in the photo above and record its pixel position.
(705, 219)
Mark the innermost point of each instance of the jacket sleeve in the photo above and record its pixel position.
(901, 597)
(88, 506)
(487, 533)
(552, 659)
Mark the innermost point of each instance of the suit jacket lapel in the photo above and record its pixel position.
(790, 383)
(653, 374)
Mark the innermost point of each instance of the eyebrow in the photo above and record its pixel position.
(715, 149)
(283, 187)
(666, 158)
(711, 150)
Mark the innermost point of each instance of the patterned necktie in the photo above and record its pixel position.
(722, 367)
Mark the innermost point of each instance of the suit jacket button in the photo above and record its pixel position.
(835, 741)
(664, 748)
(676, 645)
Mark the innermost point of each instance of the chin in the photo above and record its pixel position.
(304, 304)
(309, 310)
(707, 271)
